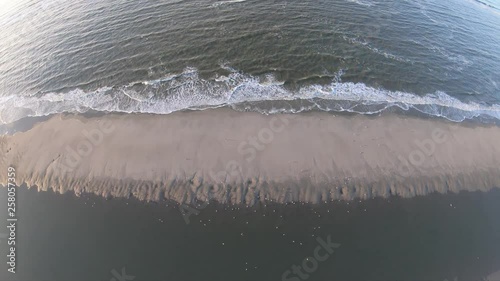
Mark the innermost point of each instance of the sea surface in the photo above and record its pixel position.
(431, 57)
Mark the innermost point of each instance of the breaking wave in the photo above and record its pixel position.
(220, 3)
(188, 91)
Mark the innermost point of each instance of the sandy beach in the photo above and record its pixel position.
(245, 158)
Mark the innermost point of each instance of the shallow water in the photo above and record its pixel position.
(437, 237)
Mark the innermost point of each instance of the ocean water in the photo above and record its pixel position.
(438, 58)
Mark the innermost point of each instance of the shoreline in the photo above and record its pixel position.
(245, 157)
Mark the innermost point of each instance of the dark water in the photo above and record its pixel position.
(438, 57)
(437, 237)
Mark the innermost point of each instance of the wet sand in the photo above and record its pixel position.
(246, 158)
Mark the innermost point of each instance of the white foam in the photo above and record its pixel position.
(366, 3)
(363, 43)
(187, 90)
(220, 3)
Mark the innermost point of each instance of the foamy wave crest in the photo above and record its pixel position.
(187, 90)
(220, 3)
(362, 3)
